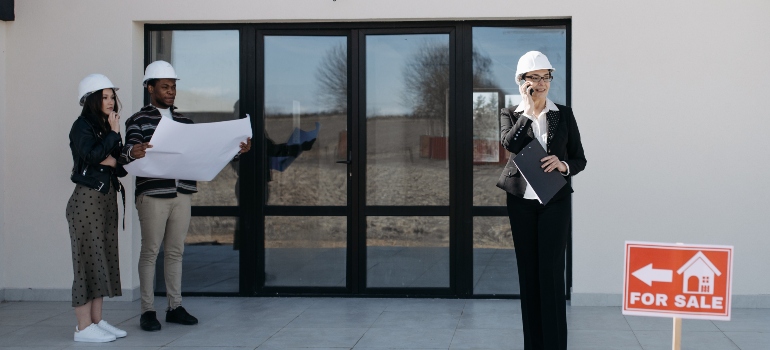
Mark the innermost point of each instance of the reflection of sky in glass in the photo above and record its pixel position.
(291, 63)
(386, 56)
(505, 45)
(207, 65)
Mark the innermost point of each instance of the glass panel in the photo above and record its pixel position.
(407, 90)
(210, 262)
(207, 63)
(305, 251)
(496, 52)
(494, 259)
(407, 251)
(306, 89)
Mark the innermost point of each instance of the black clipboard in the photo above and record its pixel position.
(546, 185)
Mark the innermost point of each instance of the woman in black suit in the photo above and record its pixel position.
(540, 232)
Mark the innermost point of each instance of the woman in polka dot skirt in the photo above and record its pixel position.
(92, 210)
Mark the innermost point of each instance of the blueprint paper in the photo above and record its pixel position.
(297, 137)
(191, 151)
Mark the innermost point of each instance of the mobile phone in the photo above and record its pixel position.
(530, 89)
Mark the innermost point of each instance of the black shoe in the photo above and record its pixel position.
(149, 322)
(180, 315)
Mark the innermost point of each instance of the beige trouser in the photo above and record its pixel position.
(163, 220)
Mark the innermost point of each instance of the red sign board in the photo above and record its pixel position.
(676, 280)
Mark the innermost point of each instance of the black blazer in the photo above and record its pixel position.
(563, 141)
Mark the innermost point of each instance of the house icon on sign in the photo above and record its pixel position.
(698, 275)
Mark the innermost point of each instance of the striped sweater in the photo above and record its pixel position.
(139, 129)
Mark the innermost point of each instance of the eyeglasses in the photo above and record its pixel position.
(537, 78)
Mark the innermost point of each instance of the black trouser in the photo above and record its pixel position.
(540, 239)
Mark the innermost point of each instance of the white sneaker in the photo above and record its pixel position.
(117, 332)
(93, 334)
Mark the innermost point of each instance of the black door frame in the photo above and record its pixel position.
(461, 211)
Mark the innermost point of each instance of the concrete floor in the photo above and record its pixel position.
(348, 323)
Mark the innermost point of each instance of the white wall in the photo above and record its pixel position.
(670, 105)
(48, 55)
(668, 96)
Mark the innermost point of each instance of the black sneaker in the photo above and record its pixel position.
(149, 322)
(180, 315)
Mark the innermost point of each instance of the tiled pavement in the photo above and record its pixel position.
(347, 323)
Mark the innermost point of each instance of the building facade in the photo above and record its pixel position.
(396, 196)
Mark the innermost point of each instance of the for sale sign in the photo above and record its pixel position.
(676, 280)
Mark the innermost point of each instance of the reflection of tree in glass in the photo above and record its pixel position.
(426, 76)
(485, 121)
(332, 76)
(482, 71)
(426, 80)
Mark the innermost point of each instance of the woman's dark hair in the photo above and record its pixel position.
(92, 110)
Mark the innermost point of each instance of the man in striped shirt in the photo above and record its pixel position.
(163, 204)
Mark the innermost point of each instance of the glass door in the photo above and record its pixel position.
(357, 200)
(306, 154)
(405, 195)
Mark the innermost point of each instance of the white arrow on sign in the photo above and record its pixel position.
(648, 275)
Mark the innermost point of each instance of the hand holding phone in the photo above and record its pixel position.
(530, 88)
(526, 89)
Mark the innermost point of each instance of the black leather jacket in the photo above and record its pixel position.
(89, 148)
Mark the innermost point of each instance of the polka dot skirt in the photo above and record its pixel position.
(93, 226)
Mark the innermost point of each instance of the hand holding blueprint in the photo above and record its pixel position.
(191, 151)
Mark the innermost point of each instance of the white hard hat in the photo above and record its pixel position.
(532, 61)
(159, 70)
(91, 83)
